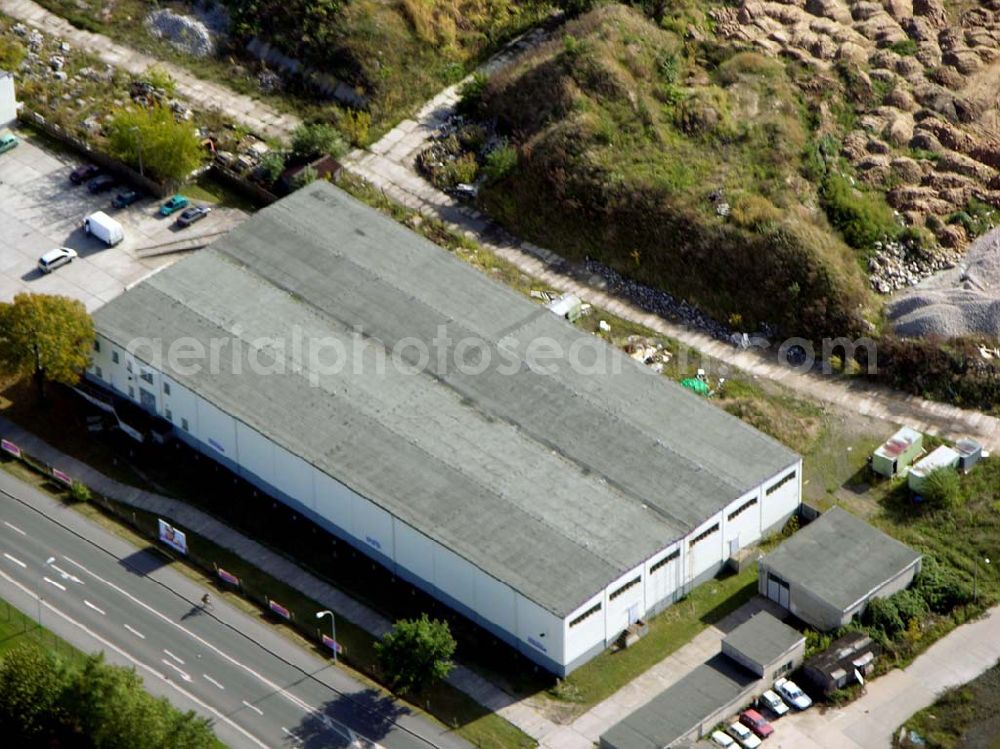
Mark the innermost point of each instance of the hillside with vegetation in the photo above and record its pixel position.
(685, 165)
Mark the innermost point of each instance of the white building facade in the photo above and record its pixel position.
(558, 644)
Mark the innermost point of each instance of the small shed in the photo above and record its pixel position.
(766, 646)
(941, 457)
(969, 452)
(834, 668)
(568, 305)
(894, 457)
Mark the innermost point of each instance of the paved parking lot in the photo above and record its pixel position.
(40, 209)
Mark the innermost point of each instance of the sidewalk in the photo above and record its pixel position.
(276, 565)
(259, 117)
(389, 165)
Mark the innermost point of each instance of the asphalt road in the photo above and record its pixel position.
(100, 593)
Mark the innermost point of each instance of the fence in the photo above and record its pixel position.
(18, 627)
(103, 160)
(255, 193)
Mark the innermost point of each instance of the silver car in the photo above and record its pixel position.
(55, 258)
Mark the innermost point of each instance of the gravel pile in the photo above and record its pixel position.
(962, 301)
(187, 34)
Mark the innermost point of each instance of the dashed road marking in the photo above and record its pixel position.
(174, 657)
(89, 605)
(14, 528)
(176, 668)
(16, 561)
(136, 632)
(54, 583)
(254, 708)
(210, 680)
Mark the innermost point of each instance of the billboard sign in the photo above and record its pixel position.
(62, 477)
(9, 447)
(228, 577)
(172, 537)
(278, 609)
(333, 644)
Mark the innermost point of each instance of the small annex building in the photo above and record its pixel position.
(941, 457)
(827, 572)
(835, 667)
(723, 685)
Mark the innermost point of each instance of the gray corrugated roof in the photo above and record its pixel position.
(554, 483)
(839, 558)
(682, 707)
(763, 638)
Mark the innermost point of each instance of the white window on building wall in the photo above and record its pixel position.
(114, 357)
(166, 388)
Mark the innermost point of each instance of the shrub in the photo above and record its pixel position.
(462, 170)
(500, 162)
(12, 53)
(470, 101)
(272, 165)
(79, 492)
(170, 150)
(905, 47)
(356, 125)
(754, 212)
(312, 141)
(306, 177)
(160, 78)
(941, 587)
(910, 605)
(882, 615)
(942, 489)
(862, 218)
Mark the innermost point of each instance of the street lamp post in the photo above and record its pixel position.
(333, 628)
(138, 144)
(38, 593)
(975, 578)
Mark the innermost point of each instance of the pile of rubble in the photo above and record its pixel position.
(896, 266)
(184, 33)
(920, 86)
(647, 351)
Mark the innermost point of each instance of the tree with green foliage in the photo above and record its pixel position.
(153, 139)
(882, 615)
(272, 165)
(416, 653)
(942, 489)
(312, 141)
(45, 336)
(31, 691)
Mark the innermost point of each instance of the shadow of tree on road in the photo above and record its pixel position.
(349, 719)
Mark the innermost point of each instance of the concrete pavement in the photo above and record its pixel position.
(98, 591)
(256, 115)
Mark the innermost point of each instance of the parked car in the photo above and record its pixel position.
(756, 723)
(723, 739)
(126, 198)
(743, 735)
(7, 142)
(101, 183)
(192, 214)
(772, 703)
(174, 203)
(791, 693)
(55, 258)
(83, 173)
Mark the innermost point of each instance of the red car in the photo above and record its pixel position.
(756, 723)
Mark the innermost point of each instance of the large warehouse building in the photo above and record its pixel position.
(553, 505)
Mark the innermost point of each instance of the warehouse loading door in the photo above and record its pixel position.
(777, 590)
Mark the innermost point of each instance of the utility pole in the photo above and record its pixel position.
(333, 627)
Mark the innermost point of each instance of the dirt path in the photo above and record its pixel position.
(256, 115)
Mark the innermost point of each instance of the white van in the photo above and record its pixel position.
(105, 228)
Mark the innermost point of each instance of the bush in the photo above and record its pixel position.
(272, 165)
(941, 587)
(356, 125)
(861, 217)
(470, 101)
(79, 492)
(905, 47)
(12, 53)
(169, 150)
(754, 212)
(910, 605)
(882, 615)
(462, 170)
(942, 489)
(500, 162)
(312, 141)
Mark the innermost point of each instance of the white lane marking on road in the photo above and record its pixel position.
(14, 528)
(89, 605)
(132, 659)
(295, 739)
(210, 680)
(254, 708)
(176, 668)
(302, 705)
(16, 561)
(65, 575)
(173, 656)
(136, 632)
(53, 582)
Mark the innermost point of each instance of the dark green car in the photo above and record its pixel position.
(7, 142)
(174, 204)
